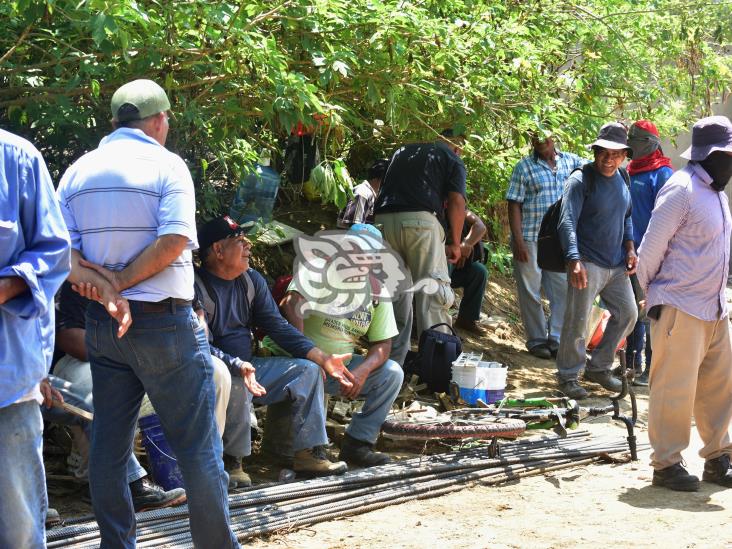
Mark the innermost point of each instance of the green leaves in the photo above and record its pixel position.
(256, 69)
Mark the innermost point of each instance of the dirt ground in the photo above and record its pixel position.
(590, 506)
(596, 505)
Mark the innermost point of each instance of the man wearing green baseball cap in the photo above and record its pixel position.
(130, 207)
(144, 105)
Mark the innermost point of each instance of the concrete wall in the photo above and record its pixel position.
(684, 140)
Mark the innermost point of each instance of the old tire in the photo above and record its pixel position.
(445, 426)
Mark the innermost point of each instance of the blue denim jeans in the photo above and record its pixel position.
(380, 390)
(165, 354)
(294, 379)
(23, 501)
(57, 415)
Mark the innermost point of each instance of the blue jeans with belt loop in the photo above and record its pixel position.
(23, 501)
(165, 353)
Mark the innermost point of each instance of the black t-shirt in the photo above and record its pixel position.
(70, 313)
(70, 308)
(419, 177)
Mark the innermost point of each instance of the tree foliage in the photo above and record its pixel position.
(242, 74)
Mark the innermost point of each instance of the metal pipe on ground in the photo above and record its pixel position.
(315, 489)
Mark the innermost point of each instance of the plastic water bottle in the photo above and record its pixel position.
(256, 194)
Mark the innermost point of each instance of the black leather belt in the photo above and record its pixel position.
(168, 305)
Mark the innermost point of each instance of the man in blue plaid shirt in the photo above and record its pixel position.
(536, 183)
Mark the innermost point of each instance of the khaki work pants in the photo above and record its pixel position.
(691, 373)
(418, 237)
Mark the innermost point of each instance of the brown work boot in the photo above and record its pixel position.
(237, 477)
(470, 326)
(313, 461)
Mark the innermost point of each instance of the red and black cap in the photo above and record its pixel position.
(220, 228)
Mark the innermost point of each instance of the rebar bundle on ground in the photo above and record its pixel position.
(266, 509)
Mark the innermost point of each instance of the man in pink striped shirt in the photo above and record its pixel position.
(683, 269)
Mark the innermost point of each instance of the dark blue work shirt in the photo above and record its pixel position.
(644, 187)
(233, 322)
(593, 226)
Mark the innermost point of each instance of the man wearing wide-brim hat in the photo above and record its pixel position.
(683, 267)
(596, 233)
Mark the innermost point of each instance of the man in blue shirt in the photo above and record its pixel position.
(129, 206)
(34, 261)
(596, 233)
(536, 183)
(648, 171)
(236, 300)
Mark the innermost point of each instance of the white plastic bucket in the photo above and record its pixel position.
(492, 375)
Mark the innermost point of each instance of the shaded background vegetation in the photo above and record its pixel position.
(241, 75)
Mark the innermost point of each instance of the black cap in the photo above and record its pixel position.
(220, 228)
(613, 135)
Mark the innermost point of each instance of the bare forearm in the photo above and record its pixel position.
(456, 215)
(71, 341)
(84, 275)
(476, 232)
(376, 356)
(290, 308)
(153, 259)
(10, 287)
(514, 220)
(317, 356)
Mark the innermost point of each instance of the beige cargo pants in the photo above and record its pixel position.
(691, 374)
(418, 237)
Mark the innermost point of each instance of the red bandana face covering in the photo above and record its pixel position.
(644, 140)
(649, 163)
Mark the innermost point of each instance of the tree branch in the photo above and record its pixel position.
(20, 40)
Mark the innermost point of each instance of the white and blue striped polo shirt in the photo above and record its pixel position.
(119, 198)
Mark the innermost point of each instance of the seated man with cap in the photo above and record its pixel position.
(236, 300)
(375, 377)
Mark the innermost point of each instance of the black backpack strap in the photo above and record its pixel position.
(588, 178)
(250, 288)
(443, 324)
(245, 282)
(626, 177)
